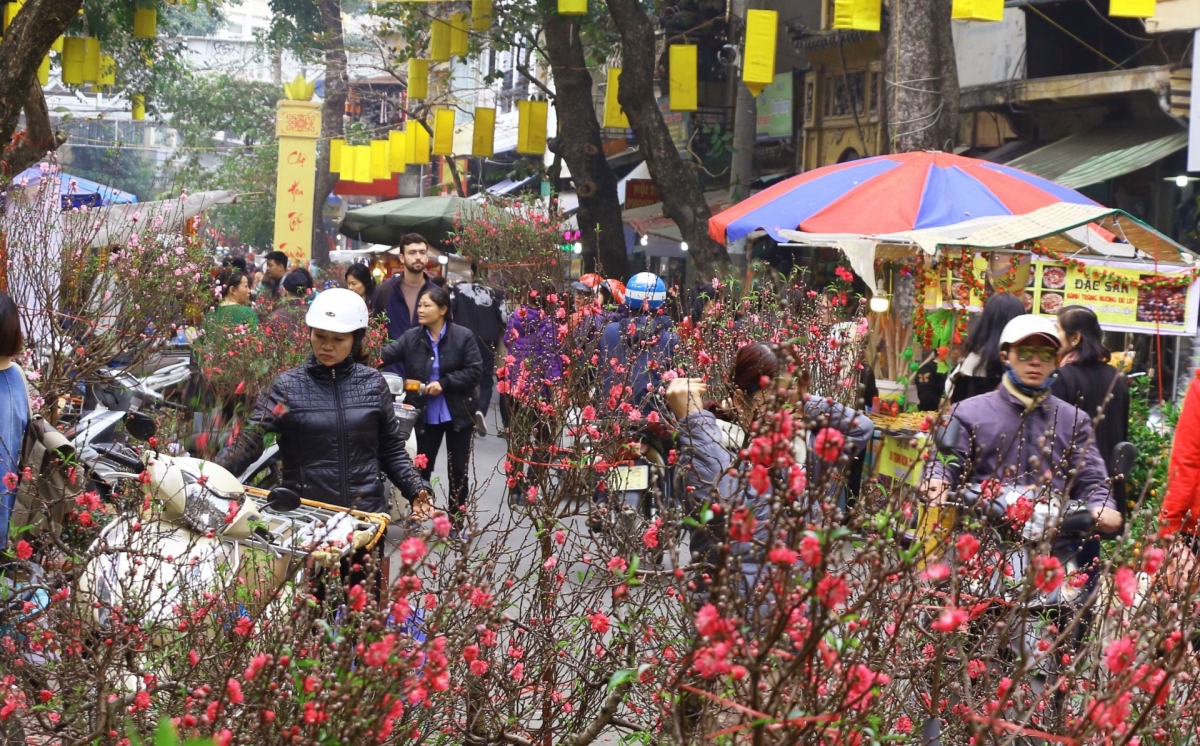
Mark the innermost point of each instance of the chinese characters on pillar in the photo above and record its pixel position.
(298, 126)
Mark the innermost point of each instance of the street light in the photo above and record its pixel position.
(1181, 180)
(443, 259)
(645, 240)
(683, 246)
(577, 248)
(879, 304)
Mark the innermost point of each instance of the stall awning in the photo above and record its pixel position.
(650, 219)
(1104, 152)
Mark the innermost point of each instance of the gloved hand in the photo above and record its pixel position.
(363, 538)
(327, 557)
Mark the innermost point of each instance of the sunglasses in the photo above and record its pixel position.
(1045, 354)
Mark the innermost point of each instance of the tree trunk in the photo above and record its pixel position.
(333, 110)
(683, 199)
(579, 144)
(25, 44)
(922, 77)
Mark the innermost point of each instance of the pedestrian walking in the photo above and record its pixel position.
(359, 279)
(286, 320)
(983, 367)
(397, 298)
(480, 308)
(14, 409)
(234, 309)
(274, 272)
(444, 357)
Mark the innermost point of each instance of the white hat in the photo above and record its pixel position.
(338, 310)
(1027, 325)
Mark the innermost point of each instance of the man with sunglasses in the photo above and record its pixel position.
(1021, 434)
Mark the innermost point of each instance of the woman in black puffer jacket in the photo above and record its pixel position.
(334, 418)
(451, 371)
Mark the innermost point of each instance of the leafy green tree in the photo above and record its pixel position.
(127, 169)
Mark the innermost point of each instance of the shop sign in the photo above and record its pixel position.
(1120, 294)
(900, 462)
(640, 193)
(775, 109)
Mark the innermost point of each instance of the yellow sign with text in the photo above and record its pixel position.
(298, 126)
(900, 462)
(1121, 295)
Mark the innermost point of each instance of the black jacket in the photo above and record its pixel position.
(1089, 387)
(460, 368)
(336, 429)
(480, 309)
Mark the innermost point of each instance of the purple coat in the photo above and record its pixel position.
(532, 338)
(997, 440)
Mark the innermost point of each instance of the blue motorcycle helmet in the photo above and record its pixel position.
(645, 291)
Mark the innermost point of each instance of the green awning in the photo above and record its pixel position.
(1104, 152)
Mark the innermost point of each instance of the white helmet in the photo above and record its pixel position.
(338, 310)
(1028, 326)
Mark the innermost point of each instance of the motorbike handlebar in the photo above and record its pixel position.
(112, 452)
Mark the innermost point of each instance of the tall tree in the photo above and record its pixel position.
(922, 77)
(676, 181)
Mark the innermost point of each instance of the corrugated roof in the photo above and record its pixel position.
(1103, 152)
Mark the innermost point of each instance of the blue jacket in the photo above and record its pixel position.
(642, 356)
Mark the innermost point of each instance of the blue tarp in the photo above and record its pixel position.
(77, 191)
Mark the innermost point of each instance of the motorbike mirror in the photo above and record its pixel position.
(946, 435)
(140, 425)
(395, 383)
(1077, 525)
(1124, 454)
(282, 500)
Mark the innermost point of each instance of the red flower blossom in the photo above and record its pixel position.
(828, 443)
(951, 619)
(599, 622)
(1119, 655)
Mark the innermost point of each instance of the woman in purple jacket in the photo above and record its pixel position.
(534, 363)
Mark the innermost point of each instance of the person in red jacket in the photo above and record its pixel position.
(1181, 503)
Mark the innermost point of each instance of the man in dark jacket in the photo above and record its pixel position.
(397, 298)
(481, 309)
(644, 347)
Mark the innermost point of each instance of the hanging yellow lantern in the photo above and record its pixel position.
(336, 146)
(439, 41)
(72, 60)
(418, 79)
(418, 144)
(10, 11)
(1131, 8)
(380, 160)
(145, 22)
(44, 71)
(91, 60)
(139, 106)
(572, 7)
(483, 139)
(397, 151)
(977, 10)
(57, 45)
(443, 132)
(758, 65)
(362, 164)
(683, 77)
(531, 127)
(108, 71)
(613, 115)
(864, 14)
(349, 162)
(481, 15)
(459, 38)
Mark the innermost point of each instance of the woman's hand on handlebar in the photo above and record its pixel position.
(433, 389)
(1108, 521)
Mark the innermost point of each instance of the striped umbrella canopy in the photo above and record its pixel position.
(889, 194)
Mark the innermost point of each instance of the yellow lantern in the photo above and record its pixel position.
(57, 45)
(10, 11)
(439, 41)
(379, 160)
(1131, 8)
(139, 106)
(397, 151)
(145, 22)
(531, 127)
(481, 15)
(613, 115)
(336, 146)
(483, 139)
(459, 38)
(758, 65)
(418, 79)
(864, 14)
(91, 60)
(443, 132)
(977, 10)
(72, 60)
(418, 144)
(362, 164)
(108, 71)
(44, 71)
(572, 7)
(349, 162)
(683, 77)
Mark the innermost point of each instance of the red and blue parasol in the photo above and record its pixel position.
(890, 194)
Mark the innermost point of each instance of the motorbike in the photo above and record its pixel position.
(632, 495)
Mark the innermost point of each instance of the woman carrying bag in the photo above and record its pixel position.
(441, 361)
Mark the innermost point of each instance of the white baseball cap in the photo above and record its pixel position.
(1027, 325)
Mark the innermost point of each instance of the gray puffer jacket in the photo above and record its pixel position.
(706, 460)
